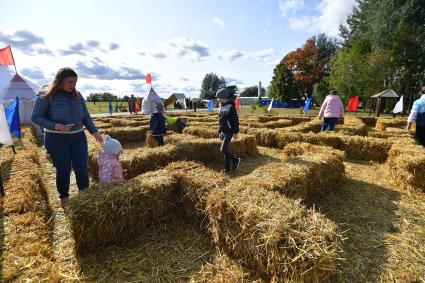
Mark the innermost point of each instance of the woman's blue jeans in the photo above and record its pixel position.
(68, 151)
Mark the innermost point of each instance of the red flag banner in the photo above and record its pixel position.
(6, 57)
(237, 103)
(352, 103)
(148, 78)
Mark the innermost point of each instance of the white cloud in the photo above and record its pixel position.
(219, 22)
(331, 14)
(239, 55)
(290, 6)
(185, 48)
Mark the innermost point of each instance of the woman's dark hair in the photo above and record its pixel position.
(334, 92)
(62, 74)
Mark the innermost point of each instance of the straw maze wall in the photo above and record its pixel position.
(249, 221)
(297, 136)
(116, 213)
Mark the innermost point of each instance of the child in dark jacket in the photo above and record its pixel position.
(228, 128)
(157, 124)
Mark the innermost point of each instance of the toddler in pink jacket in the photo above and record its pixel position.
(332, 109)
(109, 166)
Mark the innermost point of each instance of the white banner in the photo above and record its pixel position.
(270, 106)
(5, 137)
(398, 108)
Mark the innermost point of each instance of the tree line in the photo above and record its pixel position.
(382, 46)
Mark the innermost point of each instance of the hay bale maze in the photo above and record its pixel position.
(303, 206)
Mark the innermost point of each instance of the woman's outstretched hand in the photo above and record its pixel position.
(98, 137)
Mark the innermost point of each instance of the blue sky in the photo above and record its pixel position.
(114, 44)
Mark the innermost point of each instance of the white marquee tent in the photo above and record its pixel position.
(17, 86)
(149, 103)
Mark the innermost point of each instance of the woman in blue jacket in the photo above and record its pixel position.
(62, 112)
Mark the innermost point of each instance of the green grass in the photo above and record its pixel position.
(102, 107)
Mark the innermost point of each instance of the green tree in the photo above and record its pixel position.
(282, 86)
(210, 85)
(252, 91)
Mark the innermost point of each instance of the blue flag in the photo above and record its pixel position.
(210, 105)
(12, 118)
(110, 107)
(307, 104)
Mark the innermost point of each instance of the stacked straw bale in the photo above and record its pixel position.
(257, 221)
(316, 171)
(224, 269)
(273, 234)
(127, 134)
(369, 121)
(305, 127)
(182, 147)
(406, 165)
(383, 123)
(202, 132)
(281, 123)
(117, 212)
(195, 182)
(27, 250)
(352, 126)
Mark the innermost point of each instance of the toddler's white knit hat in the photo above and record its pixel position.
(111, 145)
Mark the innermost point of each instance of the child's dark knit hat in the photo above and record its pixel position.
(223, 93)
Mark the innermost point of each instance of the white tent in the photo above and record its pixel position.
(149, 103)
(19, 87)
(7, 74)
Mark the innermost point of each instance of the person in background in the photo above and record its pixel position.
(332, 109)
(418, 114)
(157, 124)
(62, 112)
(131, 102)
(110, 169)
(228, 128)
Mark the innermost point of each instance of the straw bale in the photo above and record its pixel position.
(352, 126)
(383, 123)
(195, 182)
(127, 134)
(305, 127)
(224, 269)
(117, 212)
(103, 125)
(264, 137)
(406, 166)
(366, 148)
(281, 123)
(27, 249)
(306, 176)
(302, 148)
(209, 125)
(273, 234)
(204, 132)
(369, 121)
(27, 246)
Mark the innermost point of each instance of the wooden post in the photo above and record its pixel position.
(1, 187)
(370, 106)
(378, 107)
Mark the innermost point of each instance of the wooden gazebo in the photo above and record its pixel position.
(389, 93)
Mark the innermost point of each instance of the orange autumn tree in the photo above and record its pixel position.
(307, 65)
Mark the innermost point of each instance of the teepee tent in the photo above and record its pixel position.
(21, 88)
(149, 103)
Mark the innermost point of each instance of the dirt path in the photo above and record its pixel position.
(63, 241)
